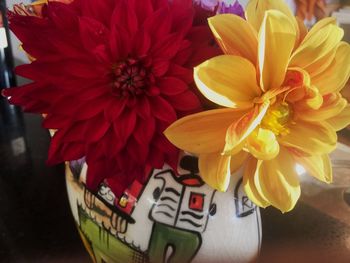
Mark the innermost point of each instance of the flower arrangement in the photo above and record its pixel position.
(111, 76)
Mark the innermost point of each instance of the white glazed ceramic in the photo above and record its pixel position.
(173, 218)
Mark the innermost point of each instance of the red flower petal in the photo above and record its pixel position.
(99, 10)
(182, 73)
(93, 33)
(74, 133)
(54, 155)
(73, 151)
(114, 109)
(184, 53)
(172, 86)
(167, 47)
(91, 90)
(182, 16)
(119, 43)
(125, 17)
(163, 144)
(54, 121)
(95, 152)
(153, 91)
(34, 106)
(185, 101)
(96, 128)
(142, 43)
(172, 158)
(143, 108)
(160, 67)
(143, 9)
(145, 130)
(137, 151)
(125, 125)
(202, 45)
(157, 158)
(111, 144)
(82, 70)
(31, 71)
(159, 4)
(162, 109)
(62, 15)
(96, 172)
(159, 23)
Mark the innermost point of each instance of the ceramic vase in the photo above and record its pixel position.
(174, 217)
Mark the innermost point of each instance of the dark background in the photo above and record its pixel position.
(36, 224)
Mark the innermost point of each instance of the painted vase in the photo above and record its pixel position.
(173, 218)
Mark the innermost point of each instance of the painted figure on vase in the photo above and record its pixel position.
(172, 218)
(180, 214)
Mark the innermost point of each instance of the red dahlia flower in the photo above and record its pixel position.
(111, 76)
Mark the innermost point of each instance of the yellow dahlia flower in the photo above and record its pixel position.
(278, 90)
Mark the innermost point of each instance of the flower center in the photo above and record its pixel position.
(277, 117)
(130, 78)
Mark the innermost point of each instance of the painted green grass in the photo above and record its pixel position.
(107, 247)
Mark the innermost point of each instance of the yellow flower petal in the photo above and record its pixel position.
(255, 11)
(239, 130)
(39, 2)
(337, 74)
(313, 100)
(310, 137)
(227, 80)
(235, 36)
(278, 181)
(317, 46)
(203, 132)
(318, 166)
(276, 42)
(299, 82)
(342, 120)
(324, 61)
(321, 64)
(249, 185)
(237, 160)
(215, 171)
(262, 144)
(321, 24)
(333, 104)
(318, 26)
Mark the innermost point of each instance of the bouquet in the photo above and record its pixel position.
(115, 80)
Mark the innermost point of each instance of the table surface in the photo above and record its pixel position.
(36, 224)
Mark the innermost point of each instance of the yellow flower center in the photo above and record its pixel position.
(277, 117)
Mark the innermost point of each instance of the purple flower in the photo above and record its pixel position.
(209, 5)
(221, 6)
(235, 8)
